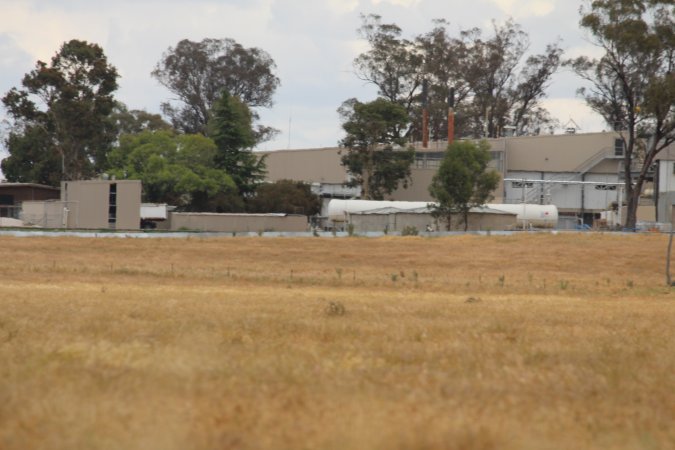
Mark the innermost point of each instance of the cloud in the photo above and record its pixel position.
(567, 110)
(526, 8)
(590, 50)
(343, 6)
(404, 3)
(14, 62)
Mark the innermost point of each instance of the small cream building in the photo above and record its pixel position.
(89, 204)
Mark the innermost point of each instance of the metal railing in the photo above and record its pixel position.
(540, 192)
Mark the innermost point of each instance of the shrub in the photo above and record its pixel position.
(335, 309)
(410, 231)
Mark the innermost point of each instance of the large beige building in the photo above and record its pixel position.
(102, 204)
(579, 173)
(90, 204)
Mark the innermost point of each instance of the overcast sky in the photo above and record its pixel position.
(313, 43)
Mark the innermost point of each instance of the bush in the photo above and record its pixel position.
(410, 231)
(335, 309)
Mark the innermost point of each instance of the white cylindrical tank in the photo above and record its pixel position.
(542, 216)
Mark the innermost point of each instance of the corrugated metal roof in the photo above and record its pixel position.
(235, 214)
(31, 185)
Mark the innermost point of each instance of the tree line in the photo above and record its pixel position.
(66, 123)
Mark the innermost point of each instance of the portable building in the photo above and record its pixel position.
(391, 219)
(12, 196)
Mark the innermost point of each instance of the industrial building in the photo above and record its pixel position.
(578, 173)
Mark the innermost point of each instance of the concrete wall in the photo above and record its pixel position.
(397, 222)
(647, 213)
(310, 165)
(89, 207)
(128, 205)
(418, 190)
(238, 222)
(557, 153)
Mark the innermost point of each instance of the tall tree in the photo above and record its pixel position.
(32, 158)
(494, 83)
(197, 72)
(231, 129)
(443, 71)
(505, 90)
(633, 84)
(175, 169)
(61, 114)
(391, 63)
(463, 181)
(375, 154)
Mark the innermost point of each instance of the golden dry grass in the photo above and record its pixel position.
(466, 342)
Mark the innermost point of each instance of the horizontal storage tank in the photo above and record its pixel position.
(542, 216)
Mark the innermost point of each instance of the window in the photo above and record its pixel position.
(618, 147)
(112, 205)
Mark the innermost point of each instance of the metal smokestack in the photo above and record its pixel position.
(451, 116)
(425, 114)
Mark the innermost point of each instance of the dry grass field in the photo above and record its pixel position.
(533, 341)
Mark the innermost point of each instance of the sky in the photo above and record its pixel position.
(313, 43)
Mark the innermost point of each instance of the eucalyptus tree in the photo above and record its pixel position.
(493, 81)
(632, 85)
(197, 72)
(392, 63)
(505, 86)
(463, 181)
(60, 127)
(375, 154)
